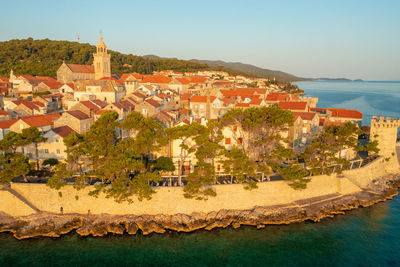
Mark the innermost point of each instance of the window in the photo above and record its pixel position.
(227, 141)
(234, 128)
(58, 151)
(240, 140)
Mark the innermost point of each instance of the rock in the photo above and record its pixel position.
(54, 225)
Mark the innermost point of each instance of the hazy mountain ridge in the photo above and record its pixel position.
(257, 71)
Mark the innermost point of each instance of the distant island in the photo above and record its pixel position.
(338, 79)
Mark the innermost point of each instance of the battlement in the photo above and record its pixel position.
(383, 122)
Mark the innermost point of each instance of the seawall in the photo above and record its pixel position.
(170, 200)
(273, 202)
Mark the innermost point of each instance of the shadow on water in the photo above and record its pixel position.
(367, 236)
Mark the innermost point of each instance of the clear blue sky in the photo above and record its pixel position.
(320, 38)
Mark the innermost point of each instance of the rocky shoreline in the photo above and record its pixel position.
(45, 224)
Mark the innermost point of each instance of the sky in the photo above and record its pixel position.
(356, 39)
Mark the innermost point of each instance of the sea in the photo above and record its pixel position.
(362, 237)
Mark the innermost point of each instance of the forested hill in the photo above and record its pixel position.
(256, 71)
(44, 57)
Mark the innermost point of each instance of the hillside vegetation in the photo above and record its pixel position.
(255, 71)
(44, 57)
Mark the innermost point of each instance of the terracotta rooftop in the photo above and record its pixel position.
(3, 112)
(78, 114)
(29, 104)
(183, 80)
(99, 103)
(307, 116)
(125, 105)
(156, 79)
(90, 105)
(153, 102)
(185, 96)
(41, 120)
(292, 105)
(278, 97)
(139, 95)
(81, 68)
(345, 113)
(52, 84)
(335, 123)
(197, 79)
(242, 105)
(63, 131)
(201, 99)
(341, 112)
(7, 124)
(255, 101)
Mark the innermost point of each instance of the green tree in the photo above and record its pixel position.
(237, 164)
(13, 165)
(32, 135)
(296, 175)
(208, 149)
(263, 134)
(185, 135)
(149, 135)
(98, 154)
(163, 164)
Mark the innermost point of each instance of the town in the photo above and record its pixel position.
(192, 129)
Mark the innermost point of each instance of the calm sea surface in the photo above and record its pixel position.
(363, 237)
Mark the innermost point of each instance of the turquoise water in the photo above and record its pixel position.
(371, 98)
(363, 237)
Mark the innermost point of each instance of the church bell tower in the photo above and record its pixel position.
(101, 61)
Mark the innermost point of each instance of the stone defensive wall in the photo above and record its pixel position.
(170, 200)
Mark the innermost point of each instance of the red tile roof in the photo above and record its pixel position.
(126, 76)
(278, 97)
(341, 112)
(156, 79)
(197, 79)
(53, 84)
(255, 101)
(228, 101)
(336, 123)
(41, 120)
(201, 99)
(242, 105)
(7, 124)
(292, 105)
(3, 112)
(81, 68)
(139, 95)
(345, 113)
(90, 105)
(78, 114)
(100, 103)
(29, 104)
(307, 116)
(112, 79)
(185, 96)
(63, 131)
(125, 105)
(153, 102)
(183, 80)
